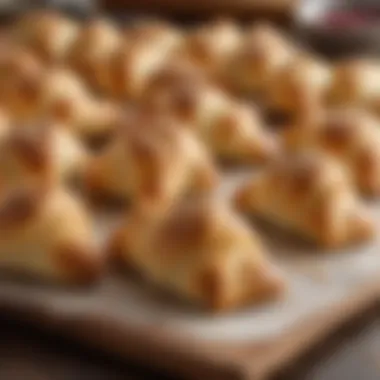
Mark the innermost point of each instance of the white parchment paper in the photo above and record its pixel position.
(317, 280)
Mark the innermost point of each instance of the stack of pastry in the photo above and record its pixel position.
(170, 106)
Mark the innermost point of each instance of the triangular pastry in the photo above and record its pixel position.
(202, 251)
(310, 195)
(142, 54)
(66, 99)
(232, 130)
(39, 155)
(352, 136)
(21, 75)
(47, 236)
(212, 45)
(299, 88)
(48, 33)
(174, 74)
(262, 53)
(356, 82)
(96, 41)
(151, 159)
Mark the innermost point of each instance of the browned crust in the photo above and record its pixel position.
(94, 186)
(368, 169)
(188, 228)
(119, 72)
(206, 178)
(20, 207)
(24, 71)
(211, 287)
(78, 264)
(33, 150)
(148, 161)
(258, 284)
(85, 67)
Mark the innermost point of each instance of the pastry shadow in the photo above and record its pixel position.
(131, 279)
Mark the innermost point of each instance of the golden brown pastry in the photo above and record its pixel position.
(356, 82)
(39, 155)
(142, 54)
(34, 93)
(155, 32)
(202, 251)
(21, 75)
(96, 41)
(152, 160)
(212, 45)
(262, 53)
(300, 87)
(5, 124)
(231, 129)
(350, 135)
(311, 195)
(174, 74)
(65, 98)
(47, 236)
(47, 33)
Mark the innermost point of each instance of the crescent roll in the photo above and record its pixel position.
(96, 41)
(47, 236)
(152, 160)
(311, 195)
(299, 87)
(356, 82)
(212, 45)
(352, 136)
(39, 155)
(47, 33)
(231, 129)
(201, 251)
(262, 53)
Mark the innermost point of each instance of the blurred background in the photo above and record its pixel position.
(334, 28)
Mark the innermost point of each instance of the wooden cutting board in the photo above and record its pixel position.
(185, 357)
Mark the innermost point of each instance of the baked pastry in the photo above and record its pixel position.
(212, 45)
(311, 195)
(232, 130)
(39, 155)
(21, 75)
(96, 41)
(356, 82)
(155, 32)
(65, 99)
(262, 53)
(47, 236)
(352, 136)
(153, 160)
(174, 74)
(5, 124)
(49, 34)
(299, 88)
(202, 251)
(142, 54)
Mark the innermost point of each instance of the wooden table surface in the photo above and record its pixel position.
(30, 354)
